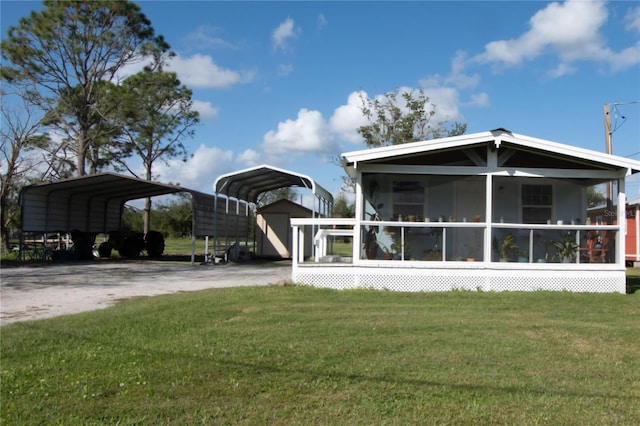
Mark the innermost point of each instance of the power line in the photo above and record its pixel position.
(617, 114)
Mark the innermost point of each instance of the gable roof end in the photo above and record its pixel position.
(351, 159)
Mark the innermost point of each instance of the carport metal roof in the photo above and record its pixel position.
(90, 203)
(247, 184)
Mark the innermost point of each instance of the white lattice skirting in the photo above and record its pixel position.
(414, 279)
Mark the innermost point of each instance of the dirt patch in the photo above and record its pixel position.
(41, 291)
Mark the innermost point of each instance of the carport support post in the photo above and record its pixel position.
(193, 248)
(193, 230)
(21, 247)
(215, 226)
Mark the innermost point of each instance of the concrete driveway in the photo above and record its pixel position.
(40, 291)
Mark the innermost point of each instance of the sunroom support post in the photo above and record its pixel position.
(360, 213)
(295, 257)
(488, 214)
(621, 215)
(637, 233)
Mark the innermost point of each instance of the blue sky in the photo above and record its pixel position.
(278, 82)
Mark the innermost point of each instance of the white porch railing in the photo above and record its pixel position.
(436, 256)
(455, 242)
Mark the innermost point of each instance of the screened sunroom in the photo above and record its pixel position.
(487, 211)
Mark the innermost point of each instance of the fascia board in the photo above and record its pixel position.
(416, 147)
(572, 151)
(354, 157)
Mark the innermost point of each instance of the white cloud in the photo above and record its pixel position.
(571, 31)
(346, 119)
(632, 20)
(198, 172)
(445, 91)
(204, 37)
(308, 133)
(626, 58)
(200, 71)
(446, 101)
(282, 34)
(285, 69)
(478, 99)
(322, 21)
(207, 111)
(561, 70)
(249, 158)
(130, 69)
(457, 77)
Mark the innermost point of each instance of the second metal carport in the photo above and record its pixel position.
(246, 185)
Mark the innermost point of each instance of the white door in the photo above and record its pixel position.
(469, 201)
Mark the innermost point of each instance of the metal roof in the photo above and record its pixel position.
(497, 137)
(90, 203)
(247, 184)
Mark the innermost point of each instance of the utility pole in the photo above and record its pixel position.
(609, 150)
(607, 129)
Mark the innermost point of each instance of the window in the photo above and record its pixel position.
(408, 199)
(537, 203)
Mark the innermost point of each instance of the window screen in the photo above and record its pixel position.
(537, 203)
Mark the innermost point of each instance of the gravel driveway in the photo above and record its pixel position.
(41, 291)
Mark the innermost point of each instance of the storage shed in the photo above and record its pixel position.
(273, 229)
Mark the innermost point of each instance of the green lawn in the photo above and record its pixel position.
(182, 246)
(633, 280)
(299, 355)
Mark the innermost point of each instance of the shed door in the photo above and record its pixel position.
(276, 235)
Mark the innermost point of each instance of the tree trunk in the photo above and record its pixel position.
(146, 216)
(6, 187)
(93, 160)
(82, 149)
(4, 232)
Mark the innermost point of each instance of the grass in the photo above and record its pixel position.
(182, 246)
(633, 280)
(339, 247)
(299, 355)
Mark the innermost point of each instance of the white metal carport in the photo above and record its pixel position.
(248, 184)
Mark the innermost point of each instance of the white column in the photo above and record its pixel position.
(300, 252)
(488, 217)
(622, 223)
(637, 224)
(359, 209)
(295, 232)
